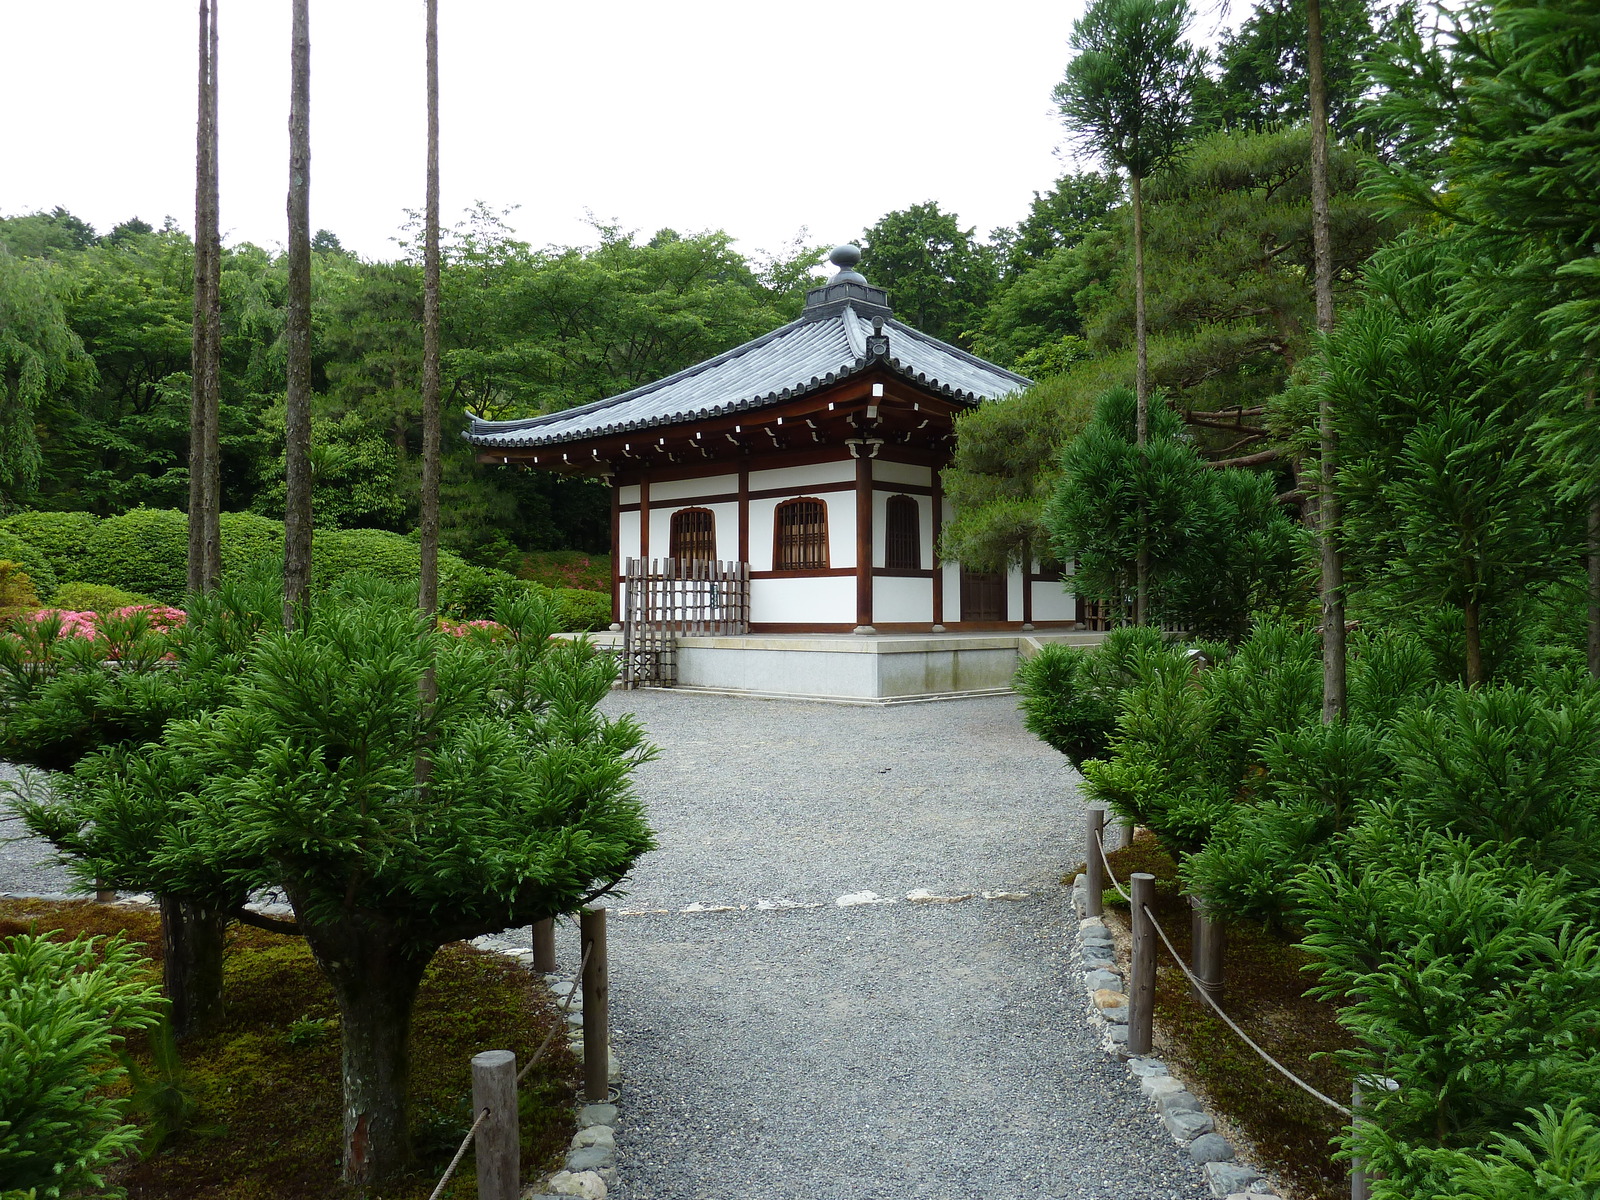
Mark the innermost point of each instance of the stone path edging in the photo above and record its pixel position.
(1181, 1113)
(591, 1164)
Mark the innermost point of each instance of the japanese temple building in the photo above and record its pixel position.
(812, 454)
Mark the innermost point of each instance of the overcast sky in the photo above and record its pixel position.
(756, 118)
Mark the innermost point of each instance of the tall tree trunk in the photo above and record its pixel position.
(297, 328)
(205, 550)
(375, 982)
(428, 593)
(191, 965)
(1328, 515)
(1141, 395)
(1594, 558)
(1471, 613)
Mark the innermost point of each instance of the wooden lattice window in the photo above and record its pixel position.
(902, 527)
(694, 535)
(800, 541)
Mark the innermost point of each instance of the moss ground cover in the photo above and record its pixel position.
(266, 1086)
(1290, 1133)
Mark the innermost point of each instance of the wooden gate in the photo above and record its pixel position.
(664, 599)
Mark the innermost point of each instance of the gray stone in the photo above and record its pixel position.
(1171, 1102)
(1147, 1066)
(1098, 980)
(563, 988)
(1154, 1086)
(1213, 1148)
(1117, 1034)
(597, 1114)
(594, 1135)
(1095, 962)
(1117, 1016)
(1188, 1126)
(1103, 941)
(592, 1158)
(1224, 1178)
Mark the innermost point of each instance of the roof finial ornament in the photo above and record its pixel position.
(846, 257)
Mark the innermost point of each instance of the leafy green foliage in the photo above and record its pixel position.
(32, 561)
(1128, 89)
(1219, 545)
(63, 1009)
(1556, 1157)
(939, 277)
(62, 537)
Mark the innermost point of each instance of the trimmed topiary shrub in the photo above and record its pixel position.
(583, 611)
(62, 537)
(94, 597)
(144, 551)
(247, 540)
(31, 559)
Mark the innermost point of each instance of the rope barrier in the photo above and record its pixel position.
(566, 1007)
(1233, 1025)
(1100, 845)
(460, 1152)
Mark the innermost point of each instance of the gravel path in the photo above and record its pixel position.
(24, 861)
(881, 1052)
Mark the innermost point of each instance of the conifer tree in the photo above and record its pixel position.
(1127, 97)
(297, 326)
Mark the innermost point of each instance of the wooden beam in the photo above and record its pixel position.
(744, 510)
(863, 541)
(644, 516)
(938, 567)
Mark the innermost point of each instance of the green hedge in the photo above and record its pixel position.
(62, 537)
(583, 611)
(146, 552)
(31, 559)
(94, 597)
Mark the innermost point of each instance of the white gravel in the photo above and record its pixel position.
(26, 866)
(876, 1052)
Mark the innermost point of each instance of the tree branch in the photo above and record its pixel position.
(1260, 458)
(261, 921)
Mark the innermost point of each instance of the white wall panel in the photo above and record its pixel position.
(902, 600)
(828, 600)
(800, 478)
(885, 471)
(686, 489)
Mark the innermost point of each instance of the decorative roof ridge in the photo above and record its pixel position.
(964, 355)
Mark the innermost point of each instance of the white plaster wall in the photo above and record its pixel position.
(827, 600)
(885, 471)
(685, 489)
(628, 494)
(841, 531)
(1014, 594)
(801, 478)
(1052, 602)
(627, 537)
(951, 580)
(901, 600)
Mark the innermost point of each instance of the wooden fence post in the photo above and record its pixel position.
(544, 945)
(1127, 834)
(1094, 869)
(496, 1146)
(103, 894)
(1207, 941)
(1360, 1189)
(1142, 975)
(596, 997)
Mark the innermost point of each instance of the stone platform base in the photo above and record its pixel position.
(901, 668)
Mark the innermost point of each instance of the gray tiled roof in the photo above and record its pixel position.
(800, 357)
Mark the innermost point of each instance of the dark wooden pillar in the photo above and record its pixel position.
(938, 566)
(863, 541)
(744, 510)
(644, 516)
(616, 550)
(1027, 585)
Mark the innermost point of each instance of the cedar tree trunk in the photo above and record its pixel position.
(375, 980)
(1330, 556)
(1141, 394)
(205, 548)
(192, 945)
(297, 328)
